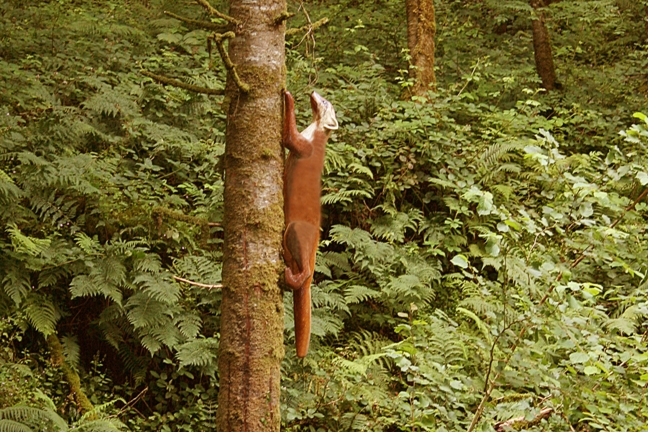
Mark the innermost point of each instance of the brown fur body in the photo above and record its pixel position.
(302, 190)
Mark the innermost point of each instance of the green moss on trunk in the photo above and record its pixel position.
(251, 347)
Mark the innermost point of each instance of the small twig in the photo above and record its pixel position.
(308, 28)
(231, 67)
(198, 284)
(520, 421)
(472, 73)
(131, 402)
(177, 83)
(217, 13)
(492, 350)
(159, 213)
(283, 17)
(198, 23)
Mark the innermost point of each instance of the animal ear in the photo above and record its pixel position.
(328, 120)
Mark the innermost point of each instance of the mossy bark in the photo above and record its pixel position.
(542, 47)
(421, 31)
(646, 20)
(251, 345)
(57, 358)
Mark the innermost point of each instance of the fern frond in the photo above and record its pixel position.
(359, 293)
(199, 352)
(17, 285)
(71, 350)
(13, 426)
(41, 313)
(25, 244)
(627, 322)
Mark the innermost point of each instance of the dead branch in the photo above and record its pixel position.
(231, 67)
(518, 423)
(177, 83)
(283, 17)
(198, 23)
(307, 28)
(198, 284)
(216, 13)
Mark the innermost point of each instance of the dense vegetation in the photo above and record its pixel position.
(484, 247)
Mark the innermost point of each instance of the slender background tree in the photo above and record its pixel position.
(542, 45)
(421, 30)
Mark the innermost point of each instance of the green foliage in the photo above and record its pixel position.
(483, 252)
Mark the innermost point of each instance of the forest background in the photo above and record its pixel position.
(483, 258)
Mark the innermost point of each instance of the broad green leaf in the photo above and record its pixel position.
(578, 357)
(591, 370)
(460, 261)
(642, 177)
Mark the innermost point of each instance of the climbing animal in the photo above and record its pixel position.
(302, 189)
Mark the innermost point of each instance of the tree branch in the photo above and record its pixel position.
(216, 13)
(159, 212)
(198, 23)
(519, 423)
(177, 83)
(308, 27)
(231, 67)
(198, 284)
(283, 17)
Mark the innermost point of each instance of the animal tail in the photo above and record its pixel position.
(302, 309)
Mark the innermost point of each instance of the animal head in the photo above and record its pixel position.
(323, 112)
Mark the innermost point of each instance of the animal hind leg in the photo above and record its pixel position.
(300, 245)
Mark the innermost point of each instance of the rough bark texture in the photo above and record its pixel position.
(411, 10)
(542, 47)
(646, 20)
(251, 345)
(71, 376)
(421, 30)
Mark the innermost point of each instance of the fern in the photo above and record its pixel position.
(627, 322)
(358, 293)
(199, 352)
(71, 350)
(24, 244)
(145, 312)
(13, 426)
(8, 189)
(41, 313)
(22, 415)
(16, 284)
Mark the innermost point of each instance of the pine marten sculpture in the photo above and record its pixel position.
(302, 189)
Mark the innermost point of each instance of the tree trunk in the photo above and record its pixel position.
(421, 30)
(646, 19)
(251, 344)
(411, 11)
(542, 47)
